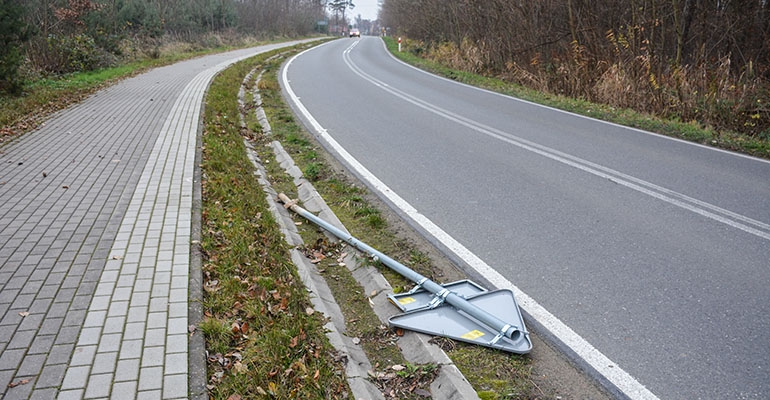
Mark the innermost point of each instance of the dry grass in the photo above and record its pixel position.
(710, 93)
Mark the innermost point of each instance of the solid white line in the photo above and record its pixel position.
(593, 357)
(667, 195)
(657, 135)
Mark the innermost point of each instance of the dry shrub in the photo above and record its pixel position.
(616, 88)
(465, 57)
(627, 74)
(520, 75)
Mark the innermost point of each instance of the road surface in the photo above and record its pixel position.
(648, 258)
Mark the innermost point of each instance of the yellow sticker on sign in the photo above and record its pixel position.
(473, 335)
(406, 300)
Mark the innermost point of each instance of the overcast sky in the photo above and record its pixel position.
(367, 9)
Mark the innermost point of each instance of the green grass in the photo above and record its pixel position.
(262, 342)
(686, 130)
(44, 96)
(494, 374)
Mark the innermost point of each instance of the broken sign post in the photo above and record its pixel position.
(471, 315)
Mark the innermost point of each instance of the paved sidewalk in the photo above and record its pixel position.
(95, 223)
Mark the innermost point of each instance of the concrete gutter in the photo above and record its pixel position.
(449, 384)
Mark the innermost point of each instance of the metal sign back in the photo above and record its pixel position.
(421, 298)
(450, 322)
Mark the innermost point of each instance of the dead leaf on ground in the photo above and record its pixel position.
(234, 397)
(24, 313)
(17, 383)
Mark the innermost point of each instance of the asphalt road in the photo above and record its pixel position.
(654, 251)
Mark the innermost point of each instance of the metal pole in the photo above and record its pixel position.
(442, 294)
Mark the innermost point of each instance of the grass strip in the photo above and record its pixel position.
(263, 339)
(494, 374)
(43, 97)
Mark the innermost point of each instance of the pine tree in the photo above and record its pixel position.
(13, 32)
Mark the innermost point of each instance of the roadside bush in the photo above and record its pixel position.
(13, 32)
(708, 92)
(64, 54)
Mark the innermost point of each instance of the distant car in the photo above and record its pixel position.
(355, 32)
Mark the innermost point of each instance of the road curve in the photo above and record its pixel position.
(648, 257)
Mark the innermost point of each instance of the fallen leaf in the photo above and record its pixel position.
(356, 340)
(398, 367)
(245, 327)
(24, 313)
(422, 392)
(294, 341)
(316, 375)
(235, 328)
(239, 368)
(17, 383)
(309, 311)
(234, 397)
(261, 391)
(191, 329)
(65, 187)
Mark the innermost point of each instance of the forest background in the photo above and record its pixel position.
(44, 38)
(705, 63)
(700, 62)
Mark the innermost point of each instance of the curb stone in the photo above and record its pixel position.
(356, 362)
(449, 384)
(416, 348)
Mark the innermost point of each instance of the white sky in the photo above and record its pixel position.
(367, 9)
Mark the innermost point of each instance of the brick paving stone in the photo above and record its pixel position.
(76, 378)
(51, 376)
(41, 344)
(76, 394)
(83, 355)
(99, 386)
(104, 363)
(44, 394)
(110, 219)
(10, 359)
(127, 370)
(31, 365)
(124, 391)
(149, 395)
(21, 340)
(150, 378)
(60, 353)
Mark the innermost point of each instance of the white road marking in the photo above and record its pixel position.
(727, 217)
(593, 357)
